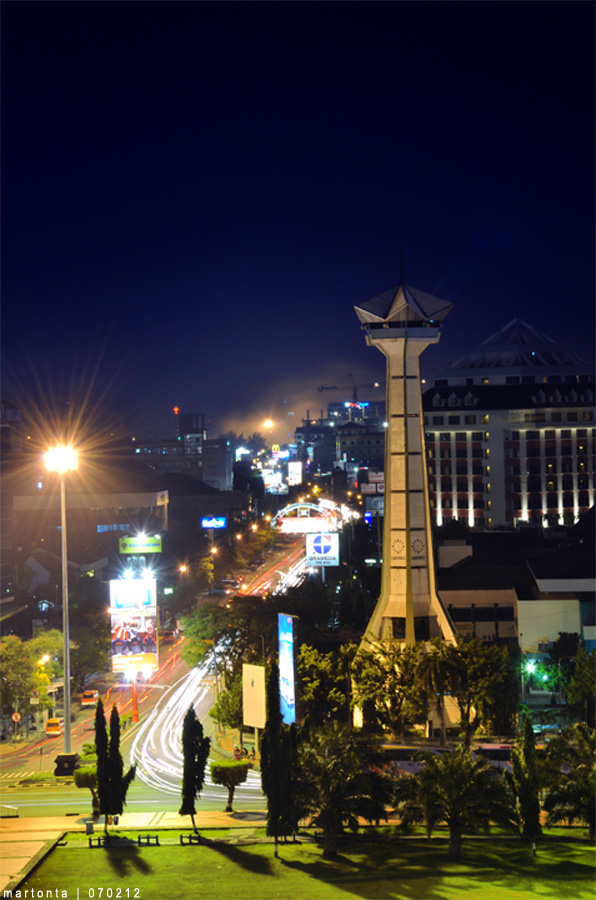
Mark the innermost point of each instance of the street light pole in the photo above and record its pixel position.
(65, 617)
(62, 459)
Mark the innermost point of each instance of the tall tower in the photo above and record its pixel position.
(402, 322)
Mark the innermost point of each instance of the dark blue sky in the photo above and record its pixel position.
(196, 194)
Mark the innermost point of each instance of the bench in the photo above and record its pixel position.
(148, 839)
(188, 839)
(11, 812)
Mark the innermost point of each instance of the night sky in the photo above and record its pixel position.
(196, 194)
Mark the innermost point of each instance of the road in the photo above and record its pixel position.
(155, 745)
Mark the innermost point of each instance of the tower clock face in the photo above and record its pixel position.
(417, 547)
(398, 548)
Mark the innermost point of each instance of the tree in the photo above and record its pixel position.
(433, 673)
(227, 709)
(86, 777)
(279, 764)
(385, 687)
(17, 673)
(467, 794)
(195, 753)
(581, 690)
(526, 781)
(325, 684)
(230, 773)
(478, 675)
(572, 795)
(112, 784)
(337, 785)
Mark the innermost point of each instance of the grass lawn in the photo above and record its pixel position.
(408, 869)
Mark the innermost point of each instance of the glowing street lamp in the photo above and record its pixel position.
(63, 459)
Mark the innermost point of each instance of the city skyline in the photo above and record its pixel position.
(196, 195)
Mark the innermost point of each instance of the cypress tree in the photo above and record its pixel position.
(195, 752)
(101, 750)
(112, 784)
(526, 783)
(279, 756)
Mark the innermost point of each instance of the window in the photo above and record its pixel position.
(438, 420)
(441, 382)
(453, 420)
(572, 417)
(460, 435)
(532, 435)
(470, 420)
(476, 435)
(512, 379)
(550, 435)
(528, 379)
(556, 417)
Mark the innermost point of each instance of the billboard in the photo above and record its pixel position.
(294, 473)
(214, 522)
(133, 614)
(287, 695)
(254, 707)
(142, 543)
(322, 549)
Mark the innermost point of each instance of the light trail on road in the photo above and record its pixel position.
(156, 748)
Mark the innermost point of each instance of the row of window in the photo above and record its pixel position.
(534, 418)
(523, 379)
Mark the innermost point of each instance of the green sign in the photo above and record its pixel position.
(141, 544)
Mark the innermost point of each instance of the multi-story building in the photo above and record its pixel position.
(509, 433)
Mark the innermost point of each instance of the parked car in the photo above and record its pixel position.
(89, 698)
(55, 727)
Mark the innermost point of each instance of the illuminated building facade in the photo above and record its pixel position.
(509, 433)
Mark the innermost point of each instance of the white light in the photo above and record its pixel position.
(61, 459)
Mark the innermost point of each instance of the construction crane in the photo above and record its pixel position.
(348, 387)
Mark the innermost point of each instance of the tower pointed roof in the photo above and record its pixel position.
(403, 304)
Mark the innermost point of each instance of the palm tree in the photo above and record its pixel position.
(572, 797)
(467, 794)
(336, 786)
(433, 672)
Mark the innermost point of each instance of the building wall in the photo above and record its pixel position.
(540, 622)
(484, 614)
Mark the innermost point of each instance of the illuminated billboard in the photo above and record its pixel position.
(287, 695)
(322, 549)
(142, 543)
(133, 613)
(294, 473)
(214, 522)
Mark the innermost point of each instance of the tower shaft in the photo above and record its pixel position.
(409, 607)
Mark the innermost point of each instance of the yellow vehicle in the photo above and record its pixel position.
(55, 727)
